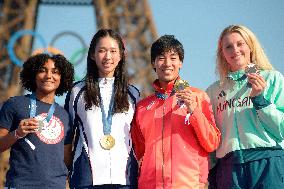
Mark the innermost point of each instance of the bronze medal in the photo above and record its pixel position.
(107, 142)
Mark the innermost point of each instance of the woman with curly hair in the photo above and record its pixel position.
(35, 127)
(102, 108)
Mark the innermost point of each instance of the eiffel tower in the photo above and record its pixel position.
(132, 18)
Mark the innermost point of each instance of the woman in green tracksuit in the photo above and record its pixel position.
(249, 111)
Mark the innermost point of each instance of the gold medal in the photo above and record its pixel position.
(180, 85)
(107, 142)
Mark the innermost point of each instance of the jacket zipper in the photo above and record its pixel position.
(163, 153)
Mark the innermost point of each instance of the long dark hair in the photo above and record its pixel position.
(92, 92)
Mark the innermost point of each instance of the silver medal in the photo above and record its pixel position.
(251, 68)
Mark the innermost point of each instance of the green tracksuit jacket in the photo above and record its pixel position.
(244, 122)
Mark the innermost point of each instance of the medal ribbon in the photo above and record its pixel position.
(163, 95)
(33, 108)
(107, 120)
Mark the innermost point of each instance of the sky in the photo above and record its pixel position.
(196, 24)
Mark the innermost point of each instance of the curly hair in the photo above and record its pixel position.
(256, 51)
(165, 44)
(121, 81)
(33, 64)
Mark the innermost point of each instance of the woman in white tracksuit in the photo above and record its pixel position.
(102, 108)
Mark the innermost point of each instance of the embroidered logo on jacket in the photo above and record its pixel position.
(52, 132)
(221, 94)
(150, 105)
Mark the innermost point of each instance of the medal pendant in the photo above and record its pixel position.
(40, 126)
(251, 68)
(107, 142)
(180, 85)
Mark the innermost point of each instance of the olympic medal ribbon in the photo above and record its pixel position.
(107, 141)
(33, 114)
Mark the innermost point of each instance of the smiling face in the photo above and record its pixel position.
(47, 79)
(236, 51)
(167, 67)
(106, 56)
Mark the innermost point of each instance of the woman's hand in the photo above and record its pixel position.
(258, 84)
(27, 126)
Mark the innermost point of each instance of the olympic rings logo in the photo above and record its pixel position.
(77, 56)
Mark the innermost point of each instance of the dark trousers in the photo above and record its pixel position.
(265, 173)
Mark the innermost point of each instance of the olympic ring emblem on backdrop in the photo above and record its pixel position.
(47, 48)
(15, 37)
(84, 46)
(74, 56)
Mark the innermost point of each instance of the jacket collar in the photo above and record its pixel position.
(159, 89)
(161, 92)
(237, 75)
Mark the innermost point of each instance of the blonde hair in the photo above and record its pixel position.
(257, 54)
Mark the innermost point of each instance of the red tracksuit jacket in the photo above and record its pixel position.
(173, 153)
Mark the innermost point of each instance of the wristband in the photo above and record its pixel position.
(16, 135)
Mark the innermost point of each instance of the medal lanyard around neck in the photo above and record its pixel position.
(164, 96)
(33, 108)
(107, 120)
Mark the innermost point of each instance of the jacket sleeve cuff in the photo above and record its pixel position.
(259, 102)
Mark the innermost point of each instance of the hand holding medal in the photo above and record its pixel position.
(256, 81)
(185, 95)
(26, 126)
